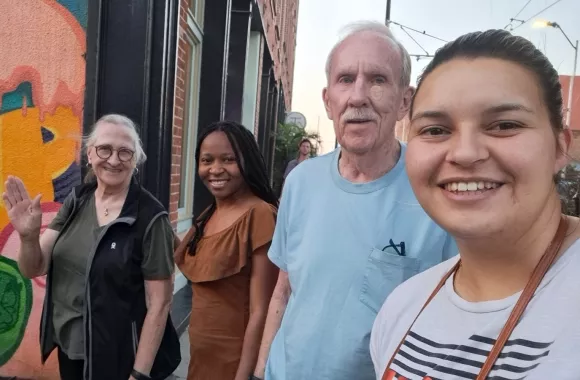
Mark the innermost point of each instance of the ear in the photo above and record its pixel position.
(406, 103)
(326, 102)
(89, 155)
(564, 143)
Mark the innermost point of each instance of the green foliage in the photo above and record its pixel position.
(288, 137)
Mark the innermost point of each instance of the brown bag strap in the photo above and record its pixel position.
(537, 275)
(437, 288)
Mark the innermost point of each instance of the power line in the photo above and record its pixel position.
(524, 7)
(414, 40)
(417, 31)
(515, 17)
(419, 56)
(537, 14)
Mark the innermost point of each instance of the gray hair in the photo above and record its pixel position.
(380, 29)
(124, 121)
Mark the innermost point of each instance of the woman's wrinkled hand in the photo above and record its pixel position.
(24, 214)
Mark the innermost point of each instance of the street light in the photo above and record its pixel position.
(544, 24)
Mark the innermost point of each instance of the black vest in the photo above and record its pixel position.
(115, 306)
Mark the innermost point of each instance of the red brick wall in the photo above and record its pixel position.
(183, 52)
(284, 15)
(574, 151)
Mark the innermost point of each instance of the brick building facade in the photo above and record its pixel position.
(235, 61)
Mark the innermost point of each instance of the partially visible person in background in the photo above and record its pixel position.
(486, 148)
(109, 258)
(304, 152)
(224, 255)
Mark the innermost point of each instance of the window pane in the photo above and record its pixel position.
(199, 12)
(192, 5)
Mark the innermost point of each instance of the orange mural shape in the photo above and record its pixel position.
(42, 50)
(42, 43)
(24, 154)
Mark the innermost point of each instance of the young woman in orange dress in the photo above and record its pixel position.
(224, 255)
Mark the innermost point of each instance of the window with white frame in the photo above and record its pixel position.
(193, 36)
(196, 10)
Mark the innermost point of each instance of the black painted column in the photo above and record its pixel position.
(240, 17)
(131, 49)
(212, 79)
(273, 124)
(270, 119)
(263, 130)
(213, 61)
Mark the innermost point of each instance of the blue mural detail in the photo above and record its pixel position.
(13, 100)
(66, 181)
(79, 9)
(47, 135)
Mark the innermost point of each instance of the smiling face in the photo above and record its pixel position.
(218, 168)
(482, 153)
(364, 97)
(111, 155)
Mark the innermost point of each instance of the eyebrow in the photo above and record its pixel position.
(430, 115)
(489, 111)
(371, 70)
(508, 107)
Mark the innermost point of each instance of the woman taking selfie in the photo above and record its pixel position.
(486, 144)
(224, 255)
(108, 255)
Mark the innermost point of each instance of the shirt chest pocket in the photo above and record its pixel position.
(384, 271)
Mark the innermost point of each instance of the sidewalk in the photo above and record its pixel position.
(181, 371)
(180, 311)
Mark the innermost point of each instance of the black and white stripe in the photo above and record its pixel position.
(420, 357)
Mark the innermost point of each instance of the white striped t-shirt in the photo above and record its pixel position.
(452, 337)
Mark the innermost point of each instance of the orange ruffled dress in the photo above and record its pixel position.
(220, 275)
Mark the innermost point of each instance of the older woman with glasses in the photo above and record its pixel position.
(108, 255)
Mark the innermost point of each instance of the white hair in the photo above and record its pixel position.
(382, 30)
(124, 121)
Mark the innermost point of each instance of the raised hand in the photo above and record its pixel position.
(24, 213)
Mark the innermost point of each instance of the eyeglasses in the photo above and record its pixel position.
(106, 151)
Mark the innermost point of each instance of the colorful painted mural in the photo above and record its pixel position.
(42, 81)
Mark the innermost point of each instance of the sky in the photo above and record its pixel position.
(321, 22)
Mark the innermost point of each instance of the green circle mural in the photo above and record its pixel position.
(15, 306)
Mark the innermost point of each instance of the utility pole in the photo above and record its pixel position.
(388, 16)
(571, 88)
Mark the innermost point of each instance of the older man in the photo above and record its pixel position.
(349, 228)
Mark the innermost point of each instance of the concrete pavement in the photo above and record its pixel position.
(181, 371)
(180, 312)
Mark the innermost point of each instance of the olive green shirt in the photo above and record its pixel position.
(69, 262)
